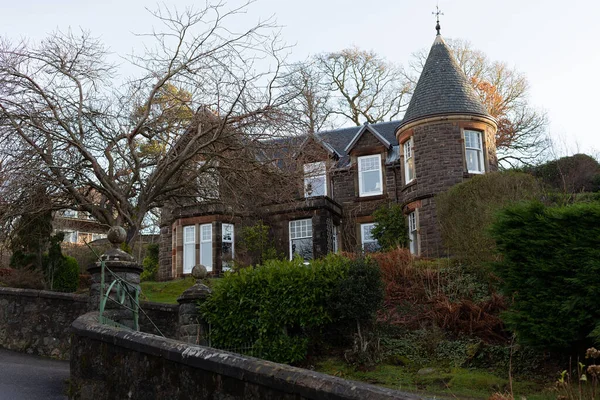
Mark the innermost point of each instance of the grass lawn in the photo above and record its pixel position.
(165, 292)
(439, 382)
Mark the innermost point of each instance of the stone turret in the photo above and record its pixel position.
(446, 136)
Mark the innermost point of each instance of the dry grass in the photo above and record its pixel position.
(421, 293)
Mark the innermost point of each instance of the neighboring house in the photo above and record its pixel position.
(446, 136)
(79, 227)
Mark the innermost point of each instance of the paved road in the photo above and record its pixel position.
(25, 377)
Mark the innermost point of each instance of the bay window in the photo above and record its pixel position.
(206, 246)
(189, 248)
(301, 241)
(227, 246)
(369, 243)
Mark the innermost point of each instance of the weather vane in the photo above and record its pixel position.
(437, 13)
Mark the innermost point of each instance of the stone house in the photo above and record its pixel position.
(445, 137)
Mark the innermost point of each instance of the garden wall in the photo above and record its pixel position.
(144, 366)
(38, 321)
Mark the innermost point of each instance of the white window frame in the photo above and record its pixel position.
(334, 239)
(189, 248)
(70, 236)
(315, 170)
(206, 250)
(68, 213)
(294, 233)
(364, 240)
(478, 150)
(413, 232)
(224, 240)
(361, 160)
(409, 161)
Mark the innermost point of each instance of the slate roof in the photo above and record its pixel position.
(443, 88)
(339, 139)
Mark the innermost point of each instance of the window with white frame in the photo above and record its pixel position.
(70, 237)
(315, 179)
(409, 161)
(206, 253)
(189, 248)
(227, 246)
(474, 152)
(369, 243)
(370, 179)
(334, 239)
(412, 233)
(301, 241)
(69, 213)
(98, 236)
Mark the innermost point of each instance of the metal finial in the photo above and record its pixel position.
(437, 13)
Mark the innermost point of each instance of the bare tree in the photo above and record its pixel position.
(351, 85)
(522, 136)
(309, 98)
(120, 149)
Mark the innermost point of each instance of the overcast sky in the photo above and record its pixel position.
(554, 43)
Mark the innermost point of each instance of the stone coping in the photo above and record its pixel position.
(81, 298)
(287, 379)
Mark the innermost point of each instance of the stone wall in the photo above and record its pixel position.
(110, 363)
(164, 316)
(38, 322)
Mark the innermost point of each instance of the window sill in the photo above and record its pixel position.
(411, 183)
(372, 197)
(469, 174)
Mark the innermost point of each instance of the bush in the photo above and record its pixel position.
(390, 230)
(150, 263)
(66, 276)
(440, 293)
(24, 278)
(551, 270)
(62, 273)
(573, 174)
(257, 243)
(276, 309)
(467, 210)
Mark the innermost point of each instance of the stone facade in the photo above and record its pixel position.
(443, 107)
(439, 157)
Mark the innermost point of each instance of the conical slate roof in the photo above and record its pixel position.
(443, 88)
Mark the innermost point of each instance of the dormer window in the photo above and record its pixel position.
(315, 179)
(474, 152)
(370, 179)
(409, 162)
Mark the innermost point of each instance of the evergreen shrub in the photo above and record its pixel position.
(467, 210)
(551, 269)
(150, 263)
(66, 276)
(277, 308)
(390, 231)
